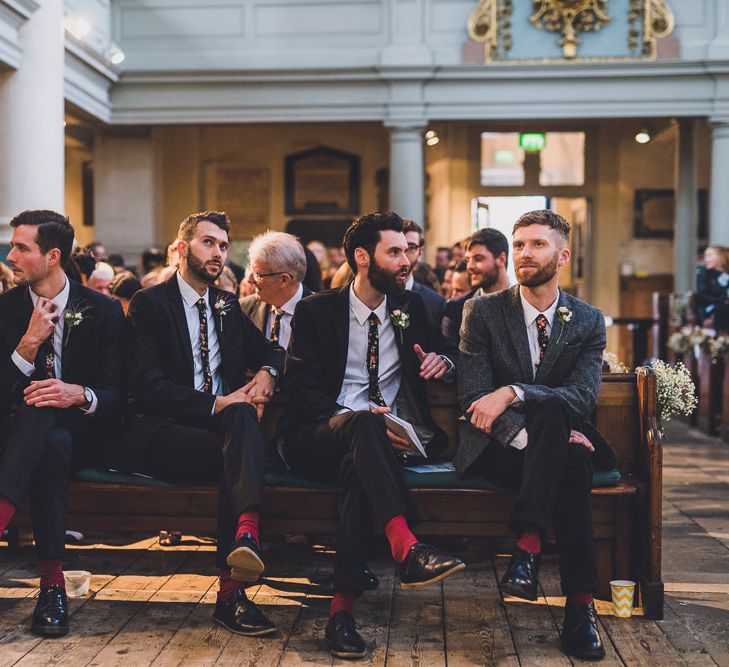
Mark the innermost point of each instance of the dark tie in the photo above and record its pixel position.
(48, 358)
(373, 361)
(542, 335)
(276, 328)
(204, 349)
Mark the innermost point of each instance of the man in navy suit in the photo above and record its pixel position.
(435, 304)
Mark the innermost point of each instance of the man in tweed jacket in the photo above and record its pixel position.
(528, 377)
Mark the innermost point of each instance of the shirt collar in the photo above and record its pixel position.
(290, 305)
(410, 282)
(61, 299)
(189, 294)
(531, 313)
(362, 311)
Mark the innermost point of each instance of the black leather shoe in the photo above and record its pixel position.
(522, 576)
(580, 636)
(426, 565)
(342, 636)
(245, 559)
(50, 617)
(242, 617)
(370, 579)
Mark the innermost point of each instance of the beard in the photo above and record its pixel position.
(543, 275)
(199, 268)
(385, 281)
(487, 278)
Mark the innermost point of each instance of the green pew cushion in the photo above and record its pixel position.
(282, 477)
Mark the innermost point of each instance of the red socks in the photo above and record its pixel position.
(228, 586)
(579, 598)
(7, 510)
(530, 540)
(248, 523)
(342, 602)
(400, 538)
(51, 573)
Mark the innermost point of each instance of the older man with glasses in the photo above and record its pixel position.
(277, 268)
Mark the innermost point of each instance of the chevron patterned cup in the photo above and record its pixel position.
(623, 592)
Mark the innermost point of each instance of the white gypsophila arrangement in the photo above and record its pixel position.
(611, 361)
(679, 342)
(679, 306)
(719, 346)
(676, 393)
(699, 336)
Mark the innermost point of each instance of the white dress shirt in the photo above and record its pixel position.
(355, 386)
(530, 320)
(190, 297)
(27, 369)
(288, 312)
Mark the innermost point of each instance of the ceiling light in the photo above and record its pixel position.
(78, 26)
(430, 134)
(432, 141)
(643, 136)
(116, 55)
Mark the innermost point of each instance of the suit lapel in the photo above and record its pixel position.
(260, 317)
(178, 317)
(514, 316)
(69, 338)
(341, 330)
(554, 348)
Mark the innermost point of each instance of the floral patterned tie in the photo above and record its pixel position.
(542, 335)
(373, 361)
(276, 328)
(204, 349)
(48, 355)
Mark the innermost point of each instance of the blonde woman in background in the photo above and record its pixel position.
(6, 278)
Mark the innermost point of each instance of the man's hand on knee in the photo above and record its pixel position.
(577, 438)
(54, 394)
(488, 408)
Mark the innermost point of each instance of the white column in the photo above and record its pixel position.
(407, 175)
(687, 213)
(719, 212)
(31, 119)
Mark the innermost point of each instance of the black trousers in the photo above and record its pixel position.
(352, 449)
(227, 449)
(554, 482)
(40, 447)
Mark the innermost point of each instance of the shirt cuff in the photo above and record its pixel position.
(519, 398)
(451, 367)
(94, 404)
(25, 367)
(520, 440)
(212, 412)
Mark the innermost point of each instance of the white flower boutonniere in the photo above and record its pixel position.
(72, 316)
(400, 320)
(222, 306)
(564, 315)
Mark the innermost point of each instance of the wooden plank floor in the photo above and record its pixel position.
(150, 605)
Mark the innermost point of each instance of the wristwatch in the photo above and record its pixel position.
(272, 371)
(88, 397)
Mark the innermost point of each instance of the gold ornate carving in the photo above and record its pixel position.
(569, 17)
(490, 23)
(649, 20)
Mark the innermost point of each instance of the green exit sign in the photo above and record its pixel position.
(532, 142)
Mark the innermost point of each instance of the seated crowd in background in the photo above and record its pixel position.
(712, 289)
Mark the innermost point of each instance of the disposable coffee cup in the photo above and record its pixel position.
(77, 583)
(623, 592)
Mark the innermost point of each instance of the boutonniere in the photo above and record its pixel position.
(400, 320)
(72, 316)
(222, 306)
(564, 315)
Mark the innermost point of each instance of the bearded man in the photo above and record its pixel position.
(189, 348)
(363, 345)
(528, 379)
(487, 256)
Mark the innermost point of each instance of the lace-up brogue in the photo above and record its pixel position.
(50, 617)
(242, 616)
(425, 565)
(580, 636)
(522, 576)
(342, 636)
(245, 559)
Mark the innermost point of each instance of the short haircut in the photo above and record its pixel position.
(125, 285)
(412, 226)
(544, 217)
(461, 267)
(444, 249)
(281, 252)
(494, 241)
(54, 230)
(364, 232)
(190, 223)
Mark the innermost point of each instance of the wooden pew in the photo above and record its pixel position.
(627, 515)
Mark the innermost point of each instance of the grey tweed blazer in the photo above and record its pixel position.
(494, 352)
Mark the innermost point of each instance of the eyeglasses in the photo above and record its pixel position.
(257, 276)
(414, 247)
